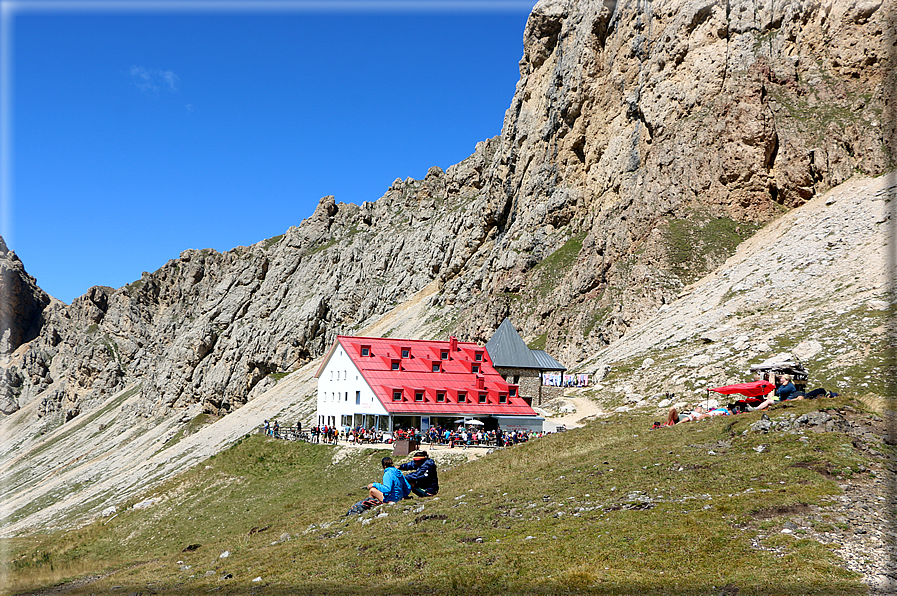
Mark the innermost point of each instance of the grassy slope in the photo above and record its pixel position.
(507, 523)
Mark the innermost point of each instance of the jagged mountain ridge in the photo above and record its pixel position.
(643, 142)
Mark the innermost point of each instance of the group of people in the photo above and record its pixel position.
(325, 434)
(359, 434)
(272, 430)
(466, 437)
(421, 479)
(785, 390)
(460, 437)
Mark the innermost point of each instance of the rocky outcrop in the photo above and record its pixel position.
(644, 141)
(21, 302)
(648, 138)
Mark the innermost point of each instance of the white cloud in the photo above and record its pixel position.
(154, 80)
(171, 79)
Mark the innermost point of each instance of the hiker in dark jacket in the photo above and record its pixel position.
(423, 479)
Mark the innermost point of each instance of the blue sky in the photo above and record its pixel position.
(136, 130)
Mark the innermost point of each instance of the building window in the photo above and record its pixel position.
(482, 398)
(396, 396)
(512, 391)
(435, 367)
(406, 352)
(502, 398)
(474, 368)
(478, 357)
(331, 375)
(395, 365)
(365, 350)
(418, 396)
(462, 397)
(443, 354)
(347, 397)
(440, 397)
(357, 397)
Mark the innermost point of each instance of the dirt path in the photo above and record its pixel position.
(585, 409)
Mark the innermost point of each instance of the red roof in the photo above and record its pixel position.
(454, 374)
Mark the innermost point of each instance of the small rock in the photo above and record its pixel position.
(145, 504)
(224, 555)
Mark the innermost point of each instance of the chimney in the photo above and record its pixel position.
(481, 382)
(453, 343)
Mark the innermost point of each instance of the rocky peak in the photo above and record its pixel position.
(21, 302)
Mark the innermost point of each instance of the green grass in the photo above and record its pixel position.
(552, 269)
(562, 514)
(272, 241)
(699, 243)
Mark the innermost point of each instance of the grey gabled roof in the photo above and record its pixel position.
(508, 350)
(546, 362)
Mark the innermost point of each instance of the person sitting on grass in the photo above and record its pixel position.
(394, 486)
(784, 392)
(423, 479)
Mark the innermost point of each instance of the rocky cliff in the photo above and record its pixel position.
(644, 141)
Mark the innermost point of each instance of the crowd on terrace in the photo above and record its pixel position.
(444, 436)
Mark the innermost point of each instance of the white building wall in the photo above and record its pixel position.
(343, 391)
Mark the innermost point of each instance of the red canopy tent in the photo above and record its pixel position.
(754, 389)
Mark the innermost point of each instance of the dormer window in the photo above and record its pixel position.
(443, 355)
(502, 398)
(394, 365)
(475, 368)
(406, 352)
(365, 350)
(478, 356)
(396, 395)
(482, 398)
(418, 396)
(440, 397)
(512, 391)
(436, 367)
(462, 397)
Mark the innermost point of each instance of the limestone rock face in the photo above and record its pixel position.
(644, 141)
(21, 302)
(650, 138)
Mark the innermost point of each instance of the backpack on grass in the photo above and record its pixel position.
(363, 505)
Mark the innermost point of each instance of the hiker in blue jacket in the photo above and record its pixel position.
(394, 486)
(423, 479)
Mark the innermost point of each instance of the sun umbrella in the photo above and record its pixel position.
(753, 389)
